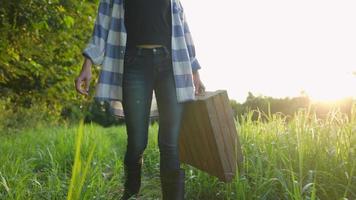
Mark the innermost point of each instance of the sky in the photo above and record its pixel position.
(275, 48)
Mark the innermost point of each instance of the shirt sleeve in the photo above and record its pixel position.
(95, 48)
(190, 44)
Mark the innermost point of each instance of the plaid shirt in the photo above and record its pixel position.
(106, 48)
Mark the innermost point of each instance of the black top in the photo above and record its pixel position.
(148, 22)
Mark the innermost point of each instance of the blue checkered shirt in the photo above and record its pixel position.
(106, 48)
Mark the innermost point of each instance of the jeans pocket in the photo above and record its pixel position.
(166, 63)
(129, 59)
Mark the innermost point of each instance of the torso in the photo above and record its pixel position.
(148, 23)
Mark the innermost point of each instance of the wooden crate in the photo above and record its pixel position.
(208, 136)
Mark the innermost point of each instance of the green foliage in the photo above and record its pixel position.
(80, 167)
(99, 112)
(288, 106)
(14, 118)
(40, 55)
(305, 158)
(40, 49)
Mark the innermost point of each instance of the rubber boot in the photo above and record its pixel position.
(132, 181)
(172, 183)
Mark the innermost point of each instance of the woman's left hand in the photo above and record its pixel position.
(198, 84)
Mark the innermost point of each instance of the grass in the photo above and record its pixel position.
(304, 158)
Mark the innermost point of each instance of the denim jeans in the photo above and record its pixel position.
(145, 71)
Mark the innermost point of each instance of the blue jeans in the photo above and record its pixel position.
(146, 70)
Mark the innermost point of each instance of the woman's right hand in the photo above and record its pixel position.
(84, 78)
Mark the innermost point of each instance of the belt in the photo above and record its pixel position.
(148, 51)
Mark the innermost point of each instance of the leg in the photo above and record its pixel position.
(170, 114)
(137, 96)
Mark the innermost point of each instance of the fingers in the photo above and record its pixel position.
(200, 89)
(78, 84)
(87, 84)
(197, 88)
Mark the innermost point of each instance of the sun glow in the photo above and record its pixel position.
(276, 48)
(332, 86)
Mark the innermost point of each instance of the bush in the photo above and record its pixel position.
(14, 118)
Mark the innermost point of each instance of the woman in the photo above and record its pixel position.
(145, 46)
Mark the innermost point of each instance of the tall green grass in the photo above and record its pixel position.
(299, 158)
(79, 169)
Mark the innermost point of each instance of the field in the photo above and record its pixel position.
(299, 158)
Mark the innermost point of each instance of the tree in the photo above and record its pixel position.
(40, 49)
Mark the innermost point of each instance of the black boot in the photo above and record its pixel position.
(172, 183)
(132, 181)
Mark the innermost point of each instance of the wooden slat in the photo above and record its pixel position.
(221, 135)
(216, 123)
(206, 133)
(208, 136)
(225, 134)
(238, 151)
(207, 157)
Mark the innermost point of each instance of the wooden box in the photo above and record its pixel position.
(208, 136)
